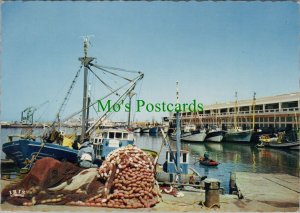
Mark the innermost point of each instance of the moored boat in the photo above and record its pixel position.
(215, 135)
(145, 130)
(153, 130)
(25, 151)
(168, 171)
(236, 135)
(137, 130)
(108, 140)
(195, 136)
(283, 145)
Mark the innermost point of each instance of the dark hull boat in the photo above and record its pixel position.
(283, 145)
(23, 151)
(238, 136)
(215, 136)
(208, 162)
(153, 130)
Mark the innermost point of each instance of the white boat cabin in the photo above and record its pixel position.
(112, 134)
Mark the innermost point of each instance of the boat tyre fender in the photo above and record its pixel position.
(168, 191)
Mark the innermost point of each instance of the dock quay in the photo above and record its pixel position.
(272, 192)
(281, 190)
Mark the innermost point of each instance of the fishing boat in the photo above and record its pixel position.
(208, 162)
(215, 135)
(176, 166)
(166, 173)
(279, 141)
(236, 134)
(194, 136)
(26, 150)
(146, 130)
(283, 145)
(107, 140)
(137, 130)
(153, 130)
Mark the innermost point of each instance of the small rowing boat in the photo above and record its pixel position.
(208, 162)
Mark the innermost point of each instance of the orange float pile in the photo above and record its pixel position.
(129, 180)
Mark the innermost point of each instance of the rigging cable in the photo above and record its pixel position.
(61, 108)
(132, 86)
(92, 104)
(119, 69)
(105, 84)
(138, 97)
(99, 67)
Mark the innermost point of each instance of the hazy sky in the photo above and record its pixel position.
(213, 49)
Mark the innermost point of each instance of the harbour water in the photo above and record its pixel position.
(233, 157)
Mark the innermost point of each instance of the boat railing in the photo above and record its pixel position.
(30, 137)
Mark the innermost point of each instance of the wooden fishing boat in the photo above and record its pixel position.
(25, 151)
(208, 162)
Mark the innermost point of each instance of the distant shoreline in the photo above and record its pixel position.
(6, 126)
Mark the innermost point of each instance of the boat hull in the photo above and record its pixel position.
(153, 130)
(196, 137)
(22, 150)
(283, 145)
(145, 130)
(216, 136)
(137, 130)
(242, 136)
(209, 163)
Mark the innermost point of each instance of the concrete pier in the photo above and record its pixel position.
(280, 190)
(260, 195)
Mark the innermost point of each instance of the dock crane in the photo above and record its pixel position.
(27, 114)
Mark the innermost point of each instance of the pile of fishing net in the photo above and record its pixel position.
(53, 182)
(124, 180)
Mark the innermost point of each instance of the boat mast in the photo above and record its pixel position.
(85, 62)
(253, 110)
(178, 129)
(131, 94)
(235, 112)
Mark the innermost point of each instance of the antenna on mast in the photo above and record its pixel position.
(86, 43)
(177, 92)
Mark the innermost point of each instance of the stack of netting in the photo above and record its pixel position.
(125, 180)
(69, 181)
(128, 174)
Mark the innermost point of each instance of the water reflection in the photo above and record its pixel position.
(232, 156)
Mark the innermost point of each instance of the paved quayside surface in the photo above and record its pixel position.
(258, 198)
(280, 190)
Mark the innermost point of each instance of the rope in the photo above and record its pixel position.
(32, 160)
(105, 84)
(61, 108)
(95, 65)
(215, 204)
(119, 69)
(156, 159)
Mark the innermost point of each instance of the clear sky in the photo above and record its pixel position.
(213, 49)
